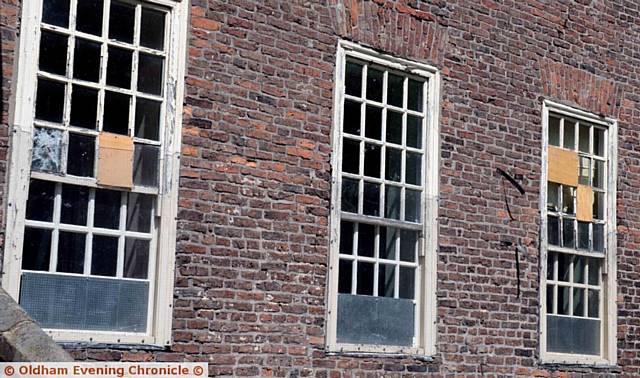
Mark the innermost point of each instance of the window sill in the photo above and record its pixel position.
(121, 346)
(567, 361)
(419, 357)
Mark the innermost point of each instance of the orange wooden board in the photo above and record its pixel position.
(563, 166)
(115, 160)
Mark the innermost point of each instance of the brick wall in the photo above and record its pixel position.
(255, 179)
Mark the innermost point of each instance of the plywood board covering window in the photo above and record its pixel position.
(115, 160)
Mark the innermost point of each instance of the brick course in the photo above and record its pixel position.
(252, 244)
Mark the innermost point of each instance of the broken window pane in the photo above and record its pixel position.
(80, 159)
(366, 239)
(147, 123)
(89, 17)
(392, 202)
(583, 235)
(119, 67)
(53, 53)
(578, 302)
(373, 122)
(388, 238)
(46, 150)
(71, 247)
(583, 138)
(86, 60)
(371, 160)
(136, 258)
(594, 272)
(553, 230)
(73, 208)
(349, 195)
(152, 29)
(585, 167)
(350, 156)
(351, 117)
(413, 174)
(345, 274)
(84, 107)
(116, 113)
(353, 80)
(554, 131)
(568, 233)
(598, 174)
(139, 209)
(412, 206)
(569, 134)
(150, 73)
(121, 21)
(371, 199)
(415, 99)
(145, 165)
(395, 90)
(407, 282)
(104, 257)
(598, 141)
(56, 12)
(564, 267)
(598, 237)
(563, 300)
(374, 84)
(594, 303)
(553, 203)
(50, 100)
(393, 164)
(414, 131)
(40, 202)
(578, 269)
(568, 199)
(365, 278)
(408, 241)
(386, 280)
(394, 127)
(107, 209)
(36, 249)
(346, 237)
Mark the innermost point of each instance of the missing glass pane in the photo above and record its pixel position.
(568, 199)
(349, 195)
(554, 131)
(351, 117)
(136, 258)
(371, 160)
(147, 123)
(373, 122)
(346, 237)
(121, 21)
(392, 202)
(53, 53)
(50, 100)
(395, 90)
(350, 156)
(365, 278)
(345, 274)
(84, 107)
(374, 84)
(71, 248)
(81, 154)
(366, 239)
(152, 29)
(86, 60)
(107, 209)
(36, 249)
(40, 201)
(119, 67)
(116, 113)
(386, 280)
(146, 159)
(46, 150)
(104, 257)
(415, 98)
(353, 80)
(407, 282)
(89, 17)
(371, 199)
(393, 164)
(412, 209)
(74, 203)
(150, 73)
(139, 211)
(394, 127)
(56, 12)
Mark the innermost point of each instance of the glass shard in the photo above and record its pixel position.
(46, 150)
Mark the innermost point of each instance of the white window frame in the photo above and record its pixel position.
(608, 349)
(22, 120)
(426, 315)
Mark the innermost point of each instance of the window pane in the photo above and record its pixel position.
(392, 202)
(564, 267)
(551, 258)
(107, 209)
(553, 230)
(136, 258)
(394, 127)
(73, 208)
(119, 67)
(71, 247)
(104, 256)
(350, 156)
(550, 299)
(413, 169)
(152, 29)
(346, 237)
(351, 117)
(598, 141)
(36, 249)
(407, 282)
(139, 209)
(46, 150)
(366, 239)
(585, 167)
(84, 107)
(349, 195)
(50, 100)
(56, 12)
(116, 113)
(365, 278)
(578, 302)
(86, 60)
(121, 21)
(598, 205)
(393, 164)
(372, 160)
(80, 159)
(594, 272)
(374, 84)
(598, 237)
(395, 90)
(553, 203)
(554, 131)
(353, 80)
(594, 303)
(150, 74)
(371, 199)
(147, 124)
(415, 99)
(345, 274)
(145, 165)
(598, 174)
(569, 134)
(583, 235)
(579, 264)
(40, 202)
(412, 206)
(568, 199)
(373, 122)
(89, 16)
(386, 280)
(563, 300)
(388, 238)
(583, 138)
(414, 131)
(568, 233)
(53, 53)
(408, 240)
